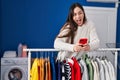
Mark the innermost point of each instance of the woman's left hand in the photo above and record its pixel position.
(86, 47)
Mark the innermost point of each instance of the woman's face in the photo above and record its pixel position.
(78, 16)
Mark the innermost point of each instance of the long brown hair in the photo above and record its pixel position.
(70, 21)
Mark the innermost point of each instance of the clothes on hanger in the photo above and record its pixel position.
(85, 68)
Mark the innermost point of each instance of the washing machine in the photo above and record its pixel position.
(14, 69)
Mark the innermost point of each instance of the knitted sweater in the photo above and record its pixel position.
(87, 30)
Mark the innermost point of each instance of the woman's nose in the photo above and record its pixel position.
(78, 16)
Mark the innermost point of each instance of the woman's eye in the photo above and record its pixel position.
(80, 13)
(74, 14)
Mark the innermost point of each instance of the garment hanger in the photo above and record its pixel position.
(42, 55)
(103, 58)
(37, 54)
(48, 54)
(97, 57)
(85, 56)
(52, 54)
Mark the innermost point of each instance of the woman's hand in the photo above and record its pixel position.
(79, 47)
(86, 47)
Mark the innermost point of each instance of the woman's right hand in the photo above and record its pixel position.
(80, 47)
(77, 48)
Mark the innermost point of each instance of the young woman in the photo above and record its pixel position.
(77, 34)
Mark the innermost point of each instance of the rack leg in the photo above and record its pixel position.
(116, 59)
(29, 64)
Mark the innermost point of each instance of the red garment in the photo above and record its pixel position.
(77, 70)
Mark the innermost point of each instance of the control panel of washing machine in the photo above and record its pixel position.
(11, 61)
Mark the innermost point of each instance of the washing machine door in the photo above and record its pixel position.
(15, 73)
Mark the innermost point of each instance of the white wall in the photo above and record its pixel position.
(105, 23)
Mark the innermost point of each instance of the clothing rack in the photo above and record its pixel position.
(29, 50)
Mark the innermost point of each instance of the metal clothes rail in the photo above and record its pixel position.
(29, 50)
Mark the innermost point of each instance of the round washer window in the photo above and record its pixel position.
(15, 74)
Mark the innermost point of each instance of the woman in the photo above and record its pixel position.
(76, 28)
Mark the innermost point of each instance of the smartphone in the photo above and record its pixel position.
(83, 41)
